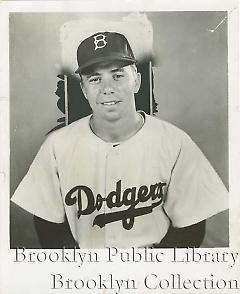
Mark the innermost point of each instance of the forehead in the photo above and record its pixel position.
(106, 67)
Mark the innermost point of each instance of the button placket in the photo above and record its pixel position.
(112, 159)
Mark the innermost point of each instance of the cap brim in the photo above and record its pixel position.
(99, 60)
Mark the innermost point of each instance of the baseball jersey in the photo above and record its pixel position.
(121, 195)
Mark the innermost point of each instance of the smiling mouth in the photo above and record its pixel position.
(110, 103)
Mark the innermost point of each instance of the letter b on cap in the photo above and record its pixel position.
(100, 41)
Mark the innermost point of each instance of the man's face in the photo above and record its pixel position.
(110, 90)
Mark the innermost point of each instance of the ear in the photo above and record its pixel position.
(138, 80)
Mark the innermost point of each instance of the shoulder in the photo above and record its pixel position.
(70, 131)
(164, 129)
(64, 139)
(168, 137)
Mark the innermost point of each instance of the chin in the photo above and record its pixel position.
(112, 116)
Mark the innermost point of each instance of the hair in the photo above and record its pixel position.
(134, 66)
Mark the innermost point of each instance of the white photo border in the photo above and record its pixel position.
(6, 7)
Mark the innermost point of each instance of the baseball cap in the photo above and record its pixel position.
(102, 47)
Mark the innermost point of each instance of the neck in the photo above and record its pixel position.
(119, 130)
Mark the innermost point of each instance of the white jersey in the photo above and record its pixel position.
(125, 195)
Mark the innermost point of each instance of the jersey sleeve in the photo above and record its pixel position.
(195, 190)
(39, 192)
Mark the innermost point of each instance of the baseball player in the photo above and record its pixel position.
(119, 177)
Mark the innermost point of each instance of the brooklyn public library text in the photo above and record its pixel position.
(81, 257)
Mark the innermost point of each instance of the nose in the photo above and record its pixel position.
(107, 86)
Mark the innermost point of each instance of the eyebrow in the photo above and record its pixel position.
(117, 69)
(93, 74)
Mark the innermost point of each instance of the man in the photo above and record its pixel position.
(119, 177)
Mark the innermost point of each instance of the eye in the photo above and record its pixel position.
(94, 80)
(118, 76)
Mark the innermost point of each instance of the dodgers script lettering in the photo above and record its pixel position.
(129, 198)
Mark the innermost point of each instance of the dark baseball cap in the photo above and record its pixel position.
(104, 47)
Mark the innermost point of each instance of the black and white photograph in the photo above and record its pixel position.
(119, 128)
(119, 165)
